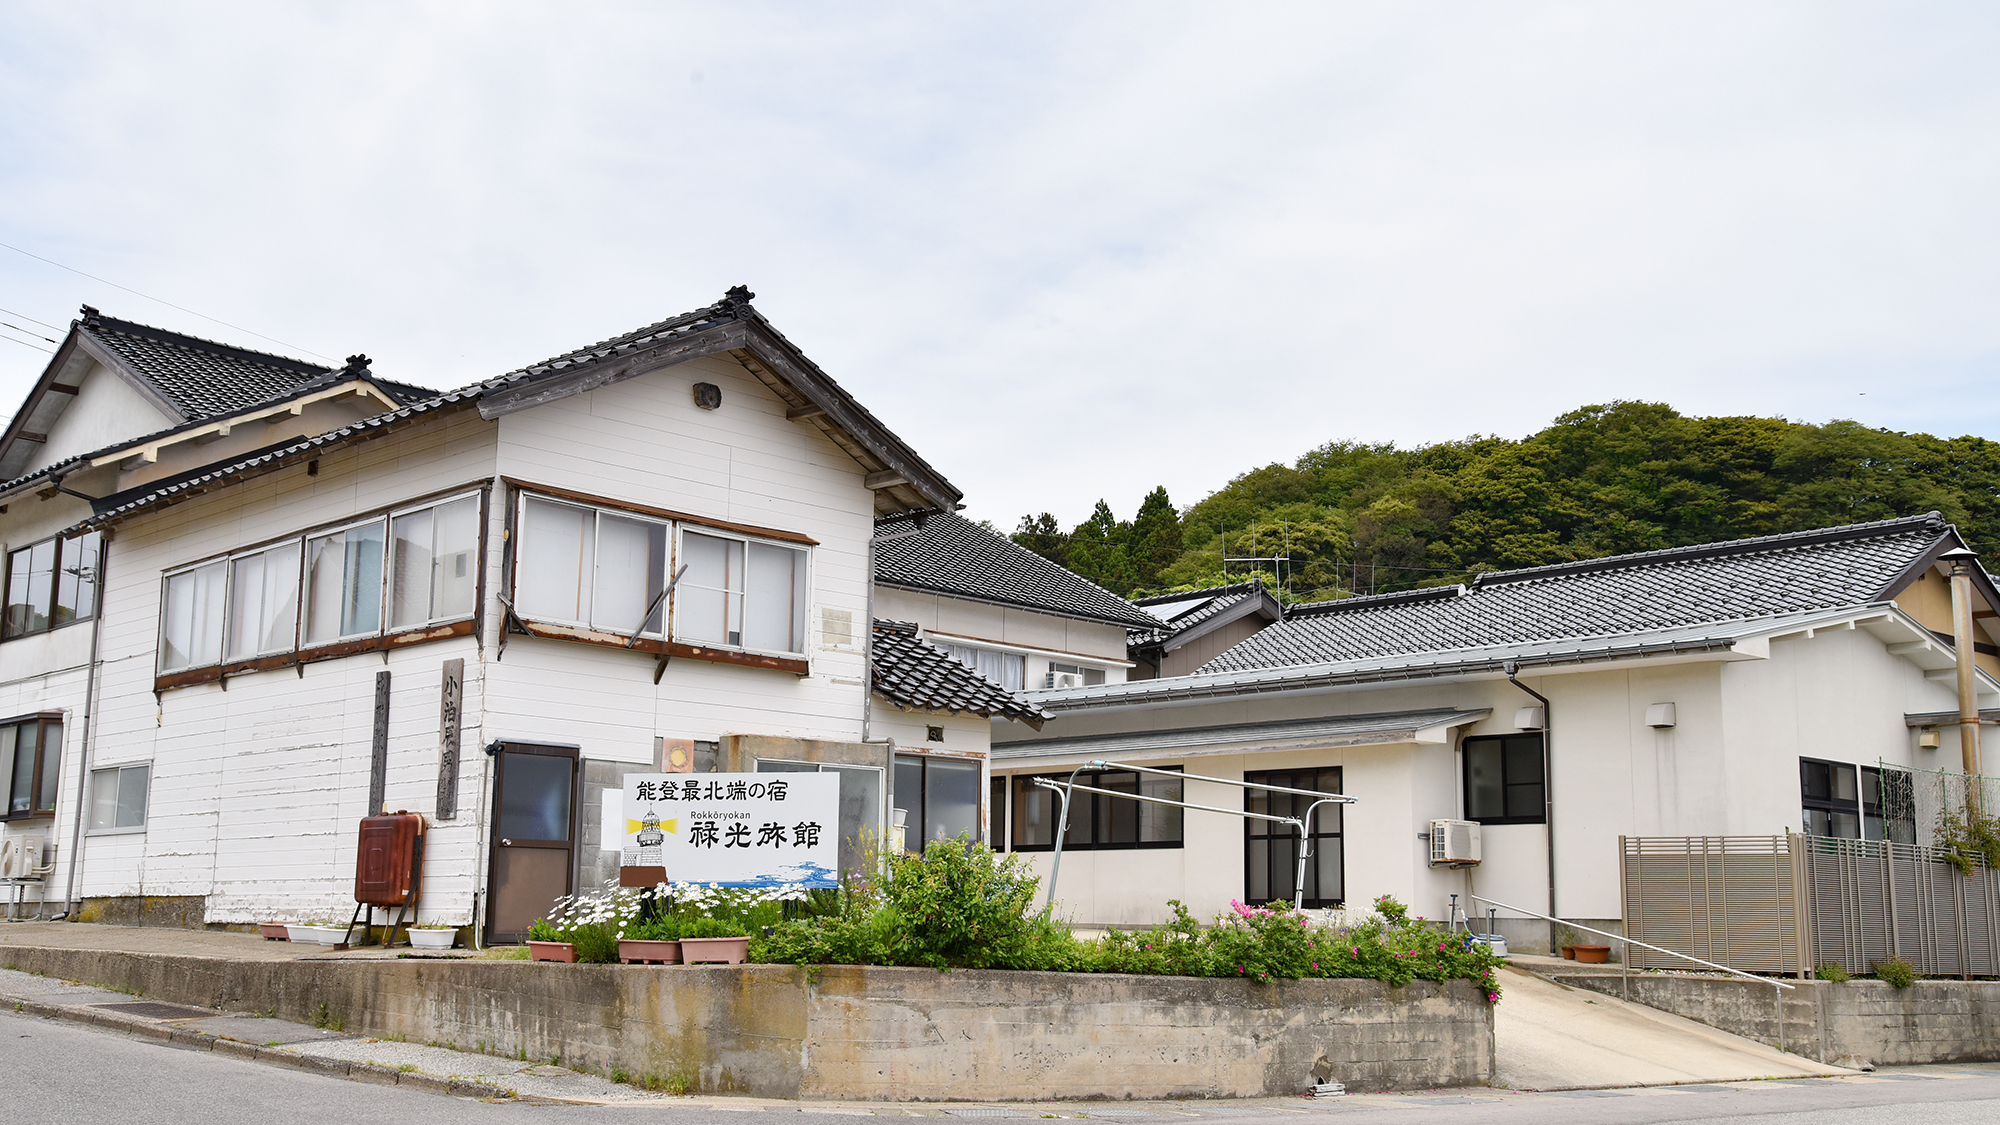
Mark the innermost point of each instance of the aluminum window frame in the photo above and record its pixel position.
(61, 545)
(1092, 810)
(389, 561)
(117, 775)
(587, 599)
(47, 759)
(303, 600)
(801, 625)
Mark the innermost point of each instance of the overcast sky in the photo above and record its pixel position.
(1067, 250)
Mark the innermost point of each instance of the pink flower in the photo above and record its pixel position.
(1492, 998)
(1315, 966)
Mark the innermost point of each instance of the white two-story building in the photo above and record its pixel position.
(252, 600)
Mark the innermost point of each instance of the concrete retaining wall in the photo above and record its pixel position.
(853, 1032)
(1932, 1021)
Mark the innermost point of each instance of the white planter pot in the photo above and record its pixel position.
(432, 939)
(319, 935)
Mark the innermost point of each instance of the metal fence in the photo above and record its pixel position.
(1784, 904)
(1728, 899)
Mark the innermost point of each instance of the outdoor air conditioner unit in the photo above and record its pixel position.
(1454, 842)
(1065, 679)
(20, 856)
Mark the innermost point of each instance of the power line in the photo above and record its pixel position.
(27, 331)
(169, 304)
(26, 344)
(32, 320)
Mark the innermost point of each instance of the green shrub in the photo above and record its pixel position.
(1832, 971)
(958, 905)
(1898, 972)
(660, 927)
(542, 931)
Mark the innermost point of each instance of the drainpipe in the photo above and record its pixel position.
(1512, 668)
(1962, 561)
(73, 882)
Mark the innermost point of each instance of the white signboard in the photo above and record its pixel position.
(735, 829)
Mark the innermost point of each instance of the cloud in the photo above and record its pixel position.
(1067, 251)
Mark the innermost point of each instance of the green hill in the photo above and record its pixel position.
(1602, 480)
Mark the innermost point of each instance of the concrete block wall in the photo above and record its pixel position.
(852, 1032)
(1870, 1021)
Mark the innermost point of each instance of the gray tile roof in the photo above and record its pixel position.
(734, 306)
(1681, 588)
(952, 555)
(201, 378)
(916, 675)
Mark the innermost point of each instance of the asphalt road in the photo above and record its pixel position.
(63, 1072)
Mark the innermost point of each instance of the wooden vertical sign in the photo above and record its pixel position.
(378, 766)
(451, 707)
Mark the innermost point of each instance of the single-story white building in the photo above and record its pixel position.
(1744, 688)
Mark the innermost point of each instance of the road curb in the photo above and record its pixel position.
(191, 1039)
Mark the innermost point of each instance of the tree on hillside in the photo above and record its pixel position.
(1599, 480)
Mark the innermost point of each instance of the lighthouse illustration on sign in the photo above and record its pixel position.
(651, 839)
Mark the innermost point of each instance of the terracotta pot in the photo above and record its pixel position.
(275, 931)
(1569, 952)
(635, 952)
(715, 950)
(552, 951)
(1592, 954)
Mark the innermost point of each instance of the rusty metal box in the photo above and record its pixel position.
(387, 868)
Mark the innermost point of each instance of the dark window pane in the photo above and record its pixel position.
(1034, 815)
(1813, 780)
(1119, 819)
(21, 760)
(1525, 801)
(1159, 824)
(910, 799)
(951, 799)
(535, 799)
(1524, 761)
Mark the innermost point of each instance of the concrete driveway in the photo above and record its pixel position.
(1551, 1037)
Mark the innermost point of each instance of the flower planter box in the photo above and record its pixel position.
(318, 935)
(635, 952)
(275, 931)
(552, 951)
(1592, 954)
(715, 950)
(432, 939)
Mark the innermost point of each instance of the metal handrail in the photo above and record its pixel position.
(1065, 789)
(1625, 972)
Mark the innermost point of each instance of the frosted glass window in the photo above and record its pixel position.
(747, 595)
(709, 601)
(774, 599)
(118, 797)
(1007, 669)
(554, 556)
(191, 631)
(344, 584)
(434, 576)
(631, 568)
(264, 602)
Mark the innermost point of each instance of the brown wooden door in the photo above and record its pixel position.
(534, 836)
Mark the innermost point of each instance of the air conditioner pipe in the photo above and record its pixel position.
(1512, 668)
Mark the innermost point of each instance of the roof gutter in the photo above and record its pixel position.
(1277, 681)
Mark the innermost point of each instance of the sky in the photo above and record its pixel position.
(1067, 251)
